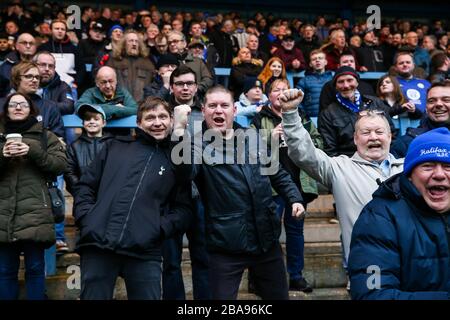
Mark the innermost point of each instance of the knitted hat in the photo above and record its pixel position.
(342, 71)
(114, 27)
(251, 82)
(433, 146)
(167, 59)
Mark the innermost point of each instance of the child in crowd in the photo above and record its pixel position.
(252, 99)
(83, 150)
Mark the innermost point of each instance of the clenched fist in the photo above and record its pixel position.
(290, 99)
(180, 118)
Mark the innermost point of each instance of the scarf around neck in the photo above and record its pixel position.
(352, 106)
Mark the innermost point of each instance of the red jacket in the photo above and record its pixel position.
(289, 56)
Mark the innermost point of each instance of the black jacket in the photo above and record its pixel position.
(337, 126)
(129, 200)
(80, 154)
(328, 93)
(59, 92)
(400, 147)
(157, 89)
(240, 214)
(371, 57)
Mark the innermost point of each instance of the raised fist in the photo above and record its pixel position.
(290, 99)
(181, 117)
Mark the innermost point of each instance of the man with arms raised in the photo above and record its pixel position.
(352, 180)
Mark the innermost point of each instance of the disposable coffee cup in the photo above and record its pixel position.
(16, 137)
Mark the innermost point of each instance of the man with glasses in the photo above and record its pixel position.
(178, 47)
(25, 49)
(52, 87)
(116, 101)
(352, 179)
(183, 85)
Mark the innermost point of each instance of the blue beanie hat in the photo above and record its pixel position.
(432, 146)
(114, 27)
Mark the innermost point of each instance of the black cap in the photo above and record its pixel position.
(288, 37)
(345, 70)
(97, 26)
(251, 82)
(167, 59)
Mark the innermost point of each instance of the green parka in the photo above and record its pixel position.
(25, 209)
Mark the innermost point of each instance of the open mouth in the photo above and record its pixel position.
(219, 121)
(374, 146)
(437, 191)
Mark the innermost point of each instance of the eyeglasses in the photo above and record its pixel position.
(22, 105)
(371, 113)
(181, 84)
(31, 76)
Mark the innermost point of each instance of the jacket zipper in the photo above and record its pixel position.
(134, 196)
(43, 198)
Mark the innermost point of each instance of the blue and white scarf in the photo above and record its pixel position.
(352, 106)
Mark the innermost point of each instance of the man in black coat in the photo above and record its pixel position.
(336, 123)
(242, 227)
(129, 200)
(328, 93)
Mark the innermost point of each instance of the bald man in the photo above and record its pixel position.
(116, 101)
(25, 49)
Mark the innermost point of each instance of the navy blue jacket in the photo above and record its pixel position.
(129, 198)
(400, 146)
(409, 242)
(11, 60)
(59, 92)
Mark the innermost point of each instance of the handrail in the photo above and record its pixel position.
(73, 121)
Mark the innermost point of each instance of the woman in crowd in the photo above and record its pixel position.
(388, 90)
(273, 70)
(26, 220)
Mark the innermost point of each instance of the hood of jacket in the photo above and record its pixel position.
(399, 186)
(245, 102)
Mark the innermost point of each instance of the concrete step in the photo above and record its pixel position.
(323, 270)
